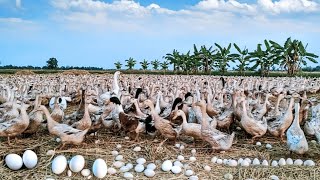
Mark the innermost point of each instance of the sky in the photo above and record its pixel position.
(101, 32)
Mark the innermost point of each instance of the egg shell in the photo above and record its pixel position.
(50, 152)
(274, 163)
(118, 164)
(129, 165)
(256, 162)
(219, 161)
(14, 161)
(178, 163)
(141, 161)
(112, 171)
(207, 168)
(188, 172)
(77, 163)
(166, 165)
(85, 172)
(176, 169)
(245, 163)
(228, 176)
(240, 161)
(182, 147)
(69, 173)
(29, 159)
(193, 151)
(249, 160)
(137, 149)
(282, 162)
(126, 138)
(99, 168)
(89, 177)
(289, 161)
(177, 145)
(149, 173)
(233, 163)
(114, 153)
(265, 163)
(124, 169)
(268, 146)
(192, 159)
(119, 158)
(119, 146)
(225, 161)
(298, 162)
(214, 159)
(258, 143)
(309, 163)
(139, 168)
(128, 175)
(274, 177)
(180, 158)
(151, 166)
(59, 164)
(193, 178)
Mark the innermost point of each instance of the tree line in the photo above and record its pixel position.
(290, 56)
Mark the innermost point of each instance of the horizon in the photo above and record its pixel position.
(101, 32)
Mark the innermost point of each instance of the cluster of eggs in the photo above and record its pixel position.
(256, 162)
(15, 162)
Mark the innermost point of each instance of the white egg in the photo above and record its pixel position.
(69, 173)
(188, 172)
(186, 166)
(180, 158)
(245, 163)
(99, 168)
(50, 179)
(274, 177)
(112, 171)
(139, 168)
(119, 146)
(249, 160)
(274, 163)
(89, 177)
(128, 175)
(151, 166)
(119, 158)
(228, 176)
(50, 152)
(298, 162)
(149, 172)
(30, 159)
(59, 164)
(124, 169)
(178, 163)
(214, 159)
(137, 149)
(268, 146)
(141, 161)
(193, 178)
(193, 151)
(166, 165)
(114, 153)
(265, 163)
(14, 161)
(289, 161)
(258, 143)
(192, 159)
(219, 161)
(118, 164)
(309, 163)
(240, 161)
(282, 162)
(58, 140)
(85, 172)
(256, 162)
(129, 165)
(76, 163)
(225, 161)
(232, 163)
(126, 138)
(181, 147)
(177, 145)
(238, 128)
(207, 168)
(313, 141)
(176, 169)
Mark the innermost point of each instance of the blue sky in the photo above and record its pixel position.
(98, 33)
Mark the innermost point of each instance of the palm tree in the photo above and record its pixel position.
(155, 64)
(242, 58)
(206, 56)
(293, 54)
(144, 64)
(130, 63)
(164, 66)
(173, 59)
(223, 57)
(118, 65)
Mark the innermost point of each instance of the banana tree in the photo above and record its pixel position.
(293, 54)
(155, 64)
(144, 64)
(242, 58)
(164, 66)
(186, 62)
(118, 65)
(173, 59)
(223, 57)
(206, 55)
(130, 63)
(195, 60)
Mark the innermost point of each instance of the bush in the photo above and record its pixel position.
(24, 72)
(76, 72)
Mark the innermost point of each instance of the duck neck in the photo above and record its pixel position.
(115, 83)
(204, 122)
(184, 118)
(296, 115)
(120, 109)
(277, 104)
(244, 110)
(50, 121)
(138, 110)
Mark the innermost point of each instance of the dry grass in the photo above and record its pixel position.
(24, 72)
(75, 72)
(107, 141)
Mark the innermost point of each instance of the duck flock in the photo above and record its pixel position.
(206, 108)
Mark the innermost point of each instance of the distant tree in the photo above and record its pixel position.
(164, 66)
(155, 64)
(144, 64)
(242, 58)
(118, 65)
(130, 63)
(52, 63)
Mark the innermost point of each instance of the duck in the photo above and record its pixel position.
(16, 126)
(218, 140)
(255, 127)
(166, 128)
(312, 127)
(36, 117)
(296, 140)
(280, 123)
(57, 113)
(86, 121)
(66, 133)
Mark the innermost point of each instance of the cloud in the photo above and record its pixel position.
(229, 6)
(18, 4)
(289, 6)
